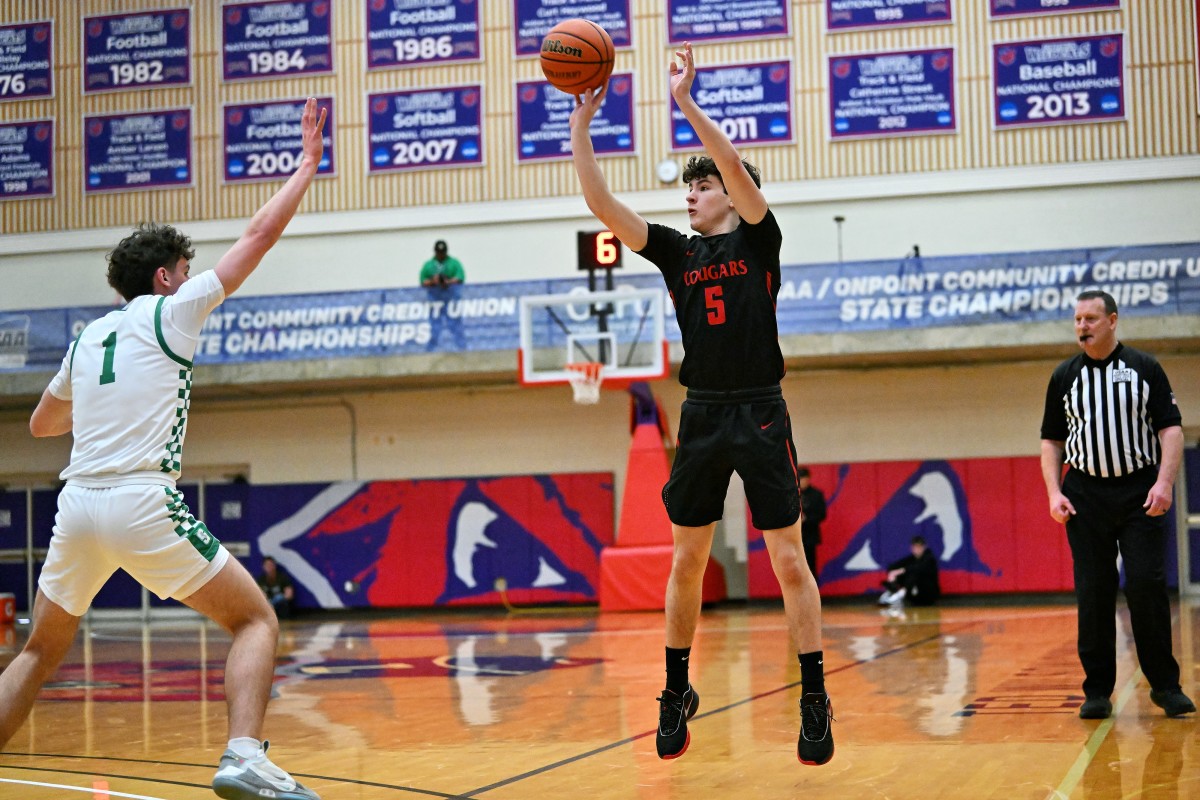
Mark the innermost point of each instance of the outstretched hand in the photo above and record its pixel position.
(311, 127)
(586, 106)
(682, 76)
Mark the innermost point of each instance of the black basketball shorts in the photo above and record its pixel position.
(748, 432)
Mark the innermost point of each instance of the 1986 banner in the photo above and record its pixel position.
(262, 140)
(427, 128)
(1058, 81)
(543, 115)
(410, 33)
(751, 103)
(26, 54)
(137, 51)
(890, 94)
(276, 39)
(147, 150)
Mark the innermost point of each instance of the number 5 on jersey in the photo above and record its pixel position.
(712, 301)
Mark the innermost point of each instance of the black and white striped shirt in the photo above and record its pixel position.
(1108, 413)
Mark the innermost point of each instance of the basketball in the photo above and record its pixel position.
(577, 55)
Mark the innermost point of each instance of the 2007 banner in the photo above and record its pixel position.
(425, 129)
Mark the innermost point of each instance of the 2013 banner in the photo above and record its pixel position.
(1058, 81)
(140, 150)
(137, 51)
(543, 116)
(751, 103)
(27, 159)
(262, 140)
(425, 129)
(535, 18)
(276, 39)
(26, 60)
(413, 33)
(892, 94)
(714, 20)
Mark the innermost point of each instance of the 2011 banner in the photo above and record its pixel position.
(751, 103)
(1058, 81)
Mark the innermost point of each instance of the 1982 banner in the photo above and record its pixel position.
(1025, 8)
(1058, 81)
(262, 140)
(892, 94)
(709, 20)
(425, 129)
(148, 150)
(543, 115)
(137, 51)
(276, 39)
(27, 159)
(410, 33)
(751, 103)
(535, 18)
(844, 15)
(26, 53)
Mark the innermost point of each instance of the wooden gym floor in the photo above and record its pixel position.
(963, 701)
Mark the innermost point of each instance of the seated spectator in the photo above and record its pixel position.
(913, 578)
(443, 269)
(277, 586)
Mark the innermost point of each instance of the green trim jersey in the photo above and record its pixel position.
(129, 379)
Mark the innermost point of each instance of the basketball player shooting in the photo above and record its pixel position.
(724, 281)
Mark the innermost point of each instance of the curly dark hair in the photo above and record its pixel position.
(703, 166)
(131, 264)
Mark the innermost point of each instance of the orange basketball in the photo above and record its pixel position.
(577, 55)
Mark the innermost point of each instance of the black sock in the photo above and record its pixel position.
(677, 668)
(812, 671)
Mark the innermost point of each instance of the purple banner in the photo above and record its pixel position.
(535, 18)
(1058, 81)
(845, 15)
(27, 159)
(425, 129)
(1028, 8)
(26, 60)
(148, 150)
(412, 33)
(892, 94)
(276, 39)
(137, 51)
(711, 20)
(543, 114)
(262, 140)
(751, 103)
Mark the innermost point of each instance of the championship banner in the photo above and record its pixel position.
(276, 39)
(425, 129)
(892, 94)
(1030, 8)
(543, 114)
(751, 103)
(411, 33)
(535, 18)
(1058, 81)
(262, 140)
(137, 51)
(149, 150)
(714, 20)
(14, 340)
(26, 60)
(27, 159)
(846, 15)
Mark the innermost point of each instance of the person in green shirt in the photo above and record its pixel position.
(443, 269)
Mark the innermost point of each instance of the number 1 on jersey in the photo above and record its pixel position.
(110, 349)
(714, 304)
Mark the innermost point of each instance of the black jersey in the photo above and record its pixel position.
(1108, 413)
(724, 289)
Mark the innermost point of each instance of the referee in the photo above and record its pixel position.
(1111, 411)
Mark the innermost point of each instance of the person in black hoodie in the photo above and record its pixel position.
(913, 578)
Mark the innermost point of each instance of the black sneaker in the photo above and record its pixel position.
(1172, 701)
(674, 710)
(1095, 708)
(816, 735)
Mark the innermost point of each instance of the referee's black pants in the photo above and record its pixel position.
(1109, 517)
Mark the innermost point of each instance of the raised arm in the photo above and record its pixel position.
(268, 223)
(747, 198)
(619, 218)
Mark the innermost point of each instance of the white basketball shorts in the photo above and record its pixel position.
(144, 529)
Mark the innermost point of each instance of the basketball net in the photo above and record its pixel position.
(585, 379)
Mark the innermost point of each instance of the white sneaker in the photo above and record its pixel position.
(886, 598)
(898, 596)
(240, 778)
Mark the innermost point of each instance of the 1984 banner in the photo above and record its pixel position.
(277, 38)
(137, 51)
(147, 150)
(892, 94)
(262, 140)
(751, 103)
(424, 129)
(410, 33)
(1058, 81)
(26, 54)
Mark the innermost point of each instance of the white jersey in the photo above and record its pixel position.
(129, 379)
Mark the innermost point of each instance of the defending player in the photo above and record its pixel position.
(723, 282)
(123, 391)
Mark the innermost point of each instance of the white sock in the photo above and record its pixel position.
(245, 746)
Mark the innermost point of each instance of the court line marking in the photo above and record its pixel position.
(1088, 754)
(89, 789)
